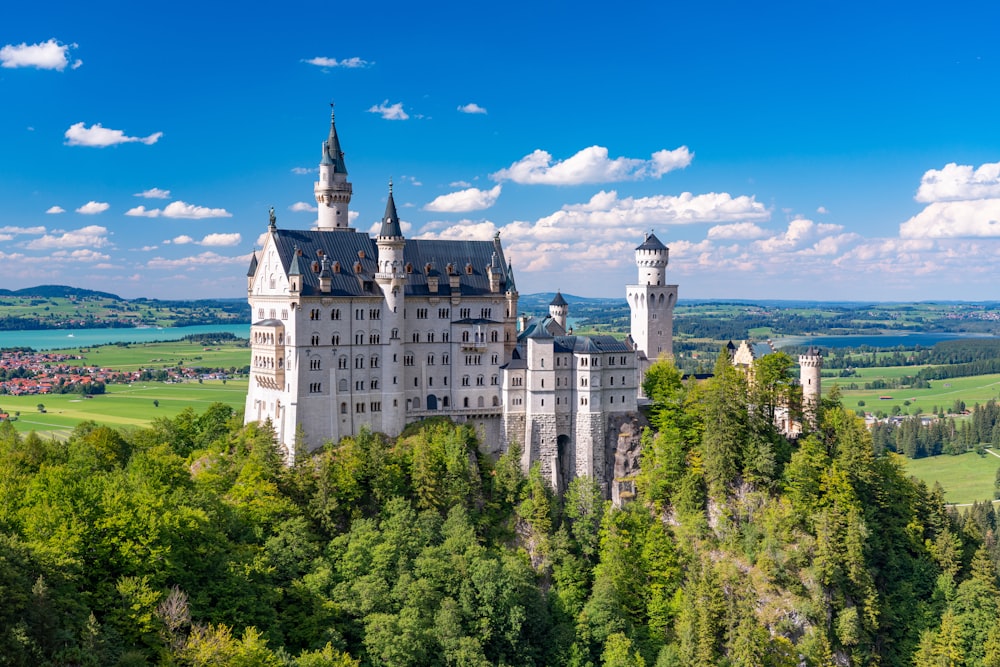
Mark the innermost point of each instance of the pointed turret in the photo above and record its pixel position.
(390, 221)
(559, 310)
(295, 272)
(333, 192)
(511, 287)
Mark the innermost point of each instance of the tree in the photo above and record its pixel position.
(41, 407)
(156, 403)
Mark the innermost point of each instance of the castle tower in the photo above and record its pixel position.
(510, 321)
(652, 303)
(559, 309)
(810, 367)
(391, 278)
(333, 192)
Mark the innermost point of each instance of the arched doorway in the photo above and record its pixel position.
(432, 402)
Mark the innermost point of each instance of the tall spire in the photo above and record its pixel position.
(390, 222)
(332, 155)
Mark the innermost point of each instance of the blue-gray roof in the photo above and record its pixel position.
(346, 249)
(590, 344)
(390, 221)
(332, 155)
(651, 243)
(558, 300)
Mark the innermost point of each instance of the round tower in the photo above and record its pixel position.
(391, 278)
(652, 258)
(810, 367)
(559, 310)
(333, 192)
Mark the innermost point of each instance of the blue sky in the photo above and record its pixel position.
(792, 150)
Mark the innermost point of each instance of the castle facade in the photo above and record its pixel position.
(351, 331)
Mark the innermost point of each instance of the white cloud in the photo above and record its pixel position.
(153, 193)
(183, 239)
(956, 182)
(221, 240)
(6, 237)
(44, 55)
(460, 184)
(822, 210)
(93, 208)
(955, 219)
(82, 255)
(101, 137)
(591, 165)
(471, 199)
(200, 260)
(349, 63)
(147, 248)
(179, 209)
(737, 230)
(10, 229)
(390, 111)
(54, 210)
(472, 108)
(92, 236)
(301, 171)
(303, 206)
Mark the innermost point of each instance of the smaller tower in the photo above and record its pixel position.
(559, 309)
(652, 303)
(510, 321)
(333, 192)
(391, 278)
(810, 367)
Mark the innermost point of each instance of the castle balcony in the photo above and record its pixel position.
(474, 346)
(491, 411)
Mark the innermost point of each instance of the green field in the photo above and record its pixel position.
(161, 355)
(942, 393)
(122, 405)
(966, 478)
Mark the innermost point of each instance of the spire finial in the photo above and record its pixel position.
(332, 105)
(390, 185)
(272, 220)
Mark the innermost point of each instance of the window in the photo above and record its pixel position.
(444, 313)
(486, 313)
(335, 315)
(430, 337)
(480, 381)
(359, 361)
(260, 313)
(465, 380)
(394, 335)
(315, 339)
(374, 339)
(495, 380)
(465, 313)
(314, 314)
(430, 382)
(359, 385)
(430, 359)
(284, 313)
(374, 361)
(493, 359)
(465, 336)
(416, 337)
(342, 361)
(335, 339)
(315, 387)
(421, 313)
(445, 359)
(359, 313)
(359, 408)
(376, 406)
(445, 337)
(494, 336)
(314, 364)
(359, 338)
(416, 382)
(343, 408)
(374, 383)
(375, 314)
(408, 360)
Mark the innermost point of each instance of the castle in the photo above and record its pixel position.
(351, 331)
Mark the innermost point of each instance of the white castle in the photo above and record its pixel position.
(351, 331)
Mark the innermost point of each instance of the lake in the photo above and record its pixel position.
(891, 339)
(55, 339)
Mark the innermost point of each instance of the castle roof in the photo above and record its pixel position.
(390, 221)
(468, 260)
(558, 300)
(252, 271)
(332, 155)
(652, 243)
(590, 344)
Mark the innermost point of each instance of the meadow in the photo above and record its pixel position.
(942, 393)
(121, 405)
(135, 356)
(966, 478)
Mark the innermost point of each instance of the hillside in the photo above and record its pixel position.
(62, 307)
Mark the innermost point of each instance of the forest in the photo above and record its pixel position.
(192, 543)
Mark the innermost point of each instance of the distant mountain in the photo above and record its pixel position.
(57, 291)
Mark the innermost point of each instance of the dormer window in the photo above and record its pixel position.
(450, 269)
(361, 254)
(336, 267)
(357, 267)
(468, 268)
(427, 268)
(409, 267)
(315, 267)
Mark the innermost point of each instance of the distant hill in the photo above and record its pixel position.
(60, 291)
